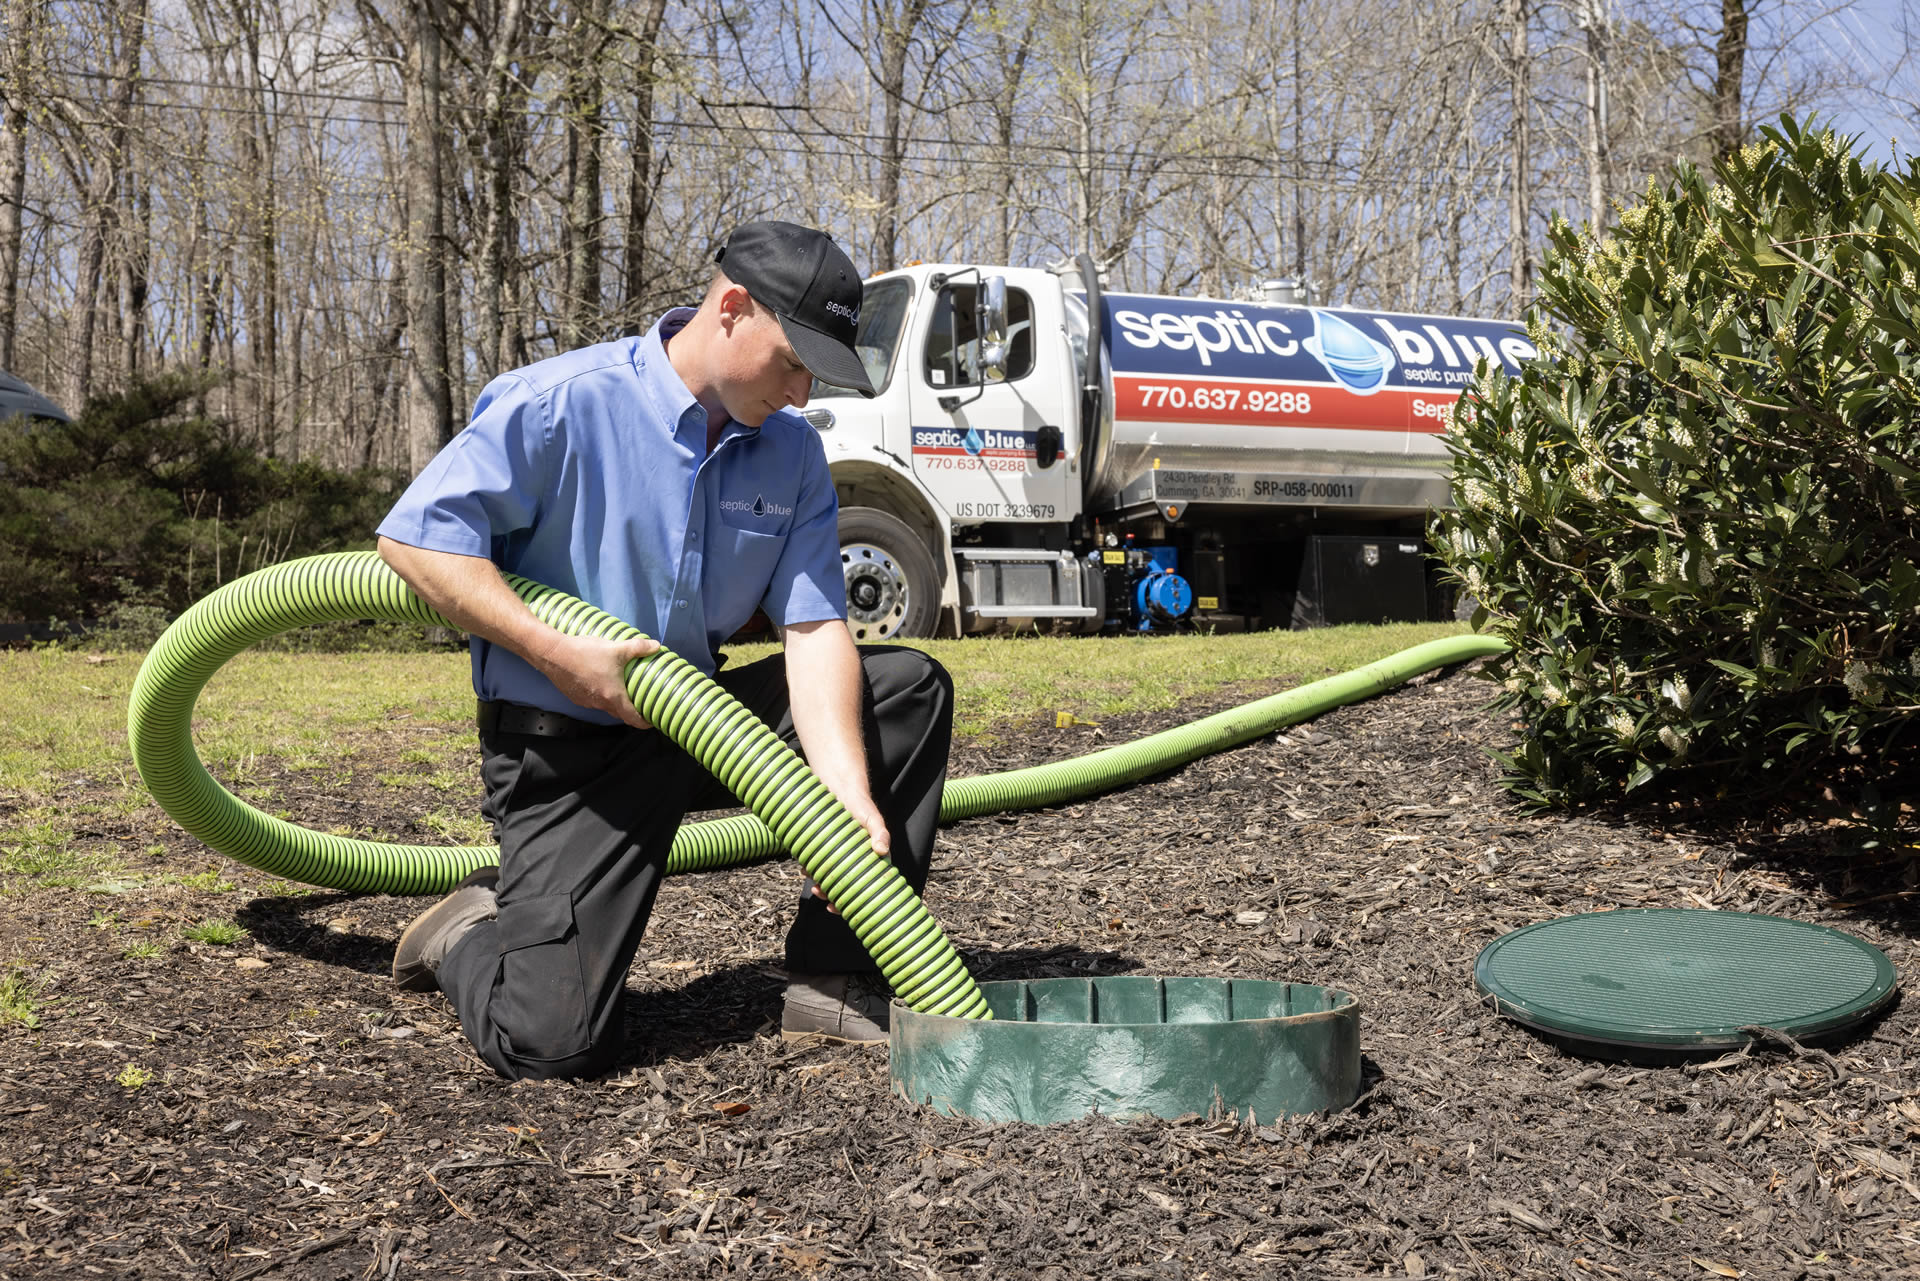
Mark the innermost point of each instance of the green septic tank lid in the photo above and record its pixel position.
(1677, 980)
(1133, 1045)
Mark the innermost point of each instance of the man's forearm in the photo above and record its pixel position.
(468, 592)
(824, 683)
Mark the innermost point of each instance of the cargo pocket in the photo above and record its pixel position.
(540, 1005)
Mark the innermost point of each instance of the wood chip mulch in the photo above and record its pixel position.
(276, 1110)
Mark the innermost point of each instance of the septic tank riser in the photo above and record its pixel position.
(1206, 1055)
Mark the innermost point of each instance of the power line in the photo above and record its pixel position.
(1068, 152)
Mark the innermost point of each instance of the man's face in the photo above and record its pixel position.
(757, 372)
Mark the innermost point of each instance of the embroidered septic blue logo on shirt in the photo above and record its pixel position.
(759, 507)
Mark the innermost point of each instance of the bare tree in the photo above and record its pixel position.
(1729, 74)
(107, 159)
(429, 402)
(18, 56)
(1520, 171)
(644, 171)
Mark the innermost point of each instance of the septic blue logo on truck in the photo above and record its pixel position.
(1357, 362)
(1361, 351)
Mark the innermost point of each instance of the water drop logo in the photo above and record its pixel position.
(759, 505)
(1357, 362)
(974, 442)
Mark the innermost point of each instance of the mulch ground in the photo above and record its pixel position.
(302, 1120)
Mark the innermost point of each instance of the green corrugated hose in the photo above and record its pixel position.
(769, 777)
(791, 809)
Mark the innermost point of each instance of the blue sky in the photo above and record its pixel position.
(1865, 36)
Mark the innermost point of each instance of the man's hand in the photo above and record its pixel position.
(469, 593)
(590, 672)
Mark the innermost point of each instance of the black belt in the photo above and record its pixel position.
(512, 718)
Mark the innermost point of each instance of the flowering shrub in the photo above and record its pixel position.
(1694, 517)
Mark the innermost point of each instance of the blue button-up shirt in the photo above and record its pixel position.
(589, 472)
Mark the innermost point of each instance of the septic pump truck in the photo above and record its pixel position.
(1044, 453)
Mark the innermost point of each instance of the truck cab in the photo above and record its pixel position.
(971, 429)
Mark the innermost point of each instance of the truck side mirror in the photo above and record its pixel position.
(991, 325)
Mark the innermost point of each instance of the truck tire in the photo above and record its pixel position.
(893, 589)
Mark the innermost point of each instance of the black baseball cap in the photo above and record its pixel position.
(807, 281)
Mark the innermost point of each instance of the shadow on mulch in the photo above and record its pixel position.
(297, 924)
(1816, 837)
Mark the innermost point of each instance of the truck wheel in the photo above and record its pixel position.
(892, 587)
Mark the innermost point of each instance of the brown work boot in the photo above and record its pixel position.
(426, 942)
(837, 1007)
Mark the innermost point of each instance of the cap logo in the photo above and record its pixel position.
(852, 314)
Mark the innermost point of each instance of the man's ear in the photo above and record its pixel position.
(733, 305)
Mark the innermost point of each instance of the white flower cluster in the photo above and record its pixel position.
(1622, 726)
(1673, 740)
(1769, 654)
(1677, 690)
(1864, 683)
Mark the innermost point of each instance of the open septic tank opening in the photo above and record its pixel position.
(1134, 1045)
(1668, 982)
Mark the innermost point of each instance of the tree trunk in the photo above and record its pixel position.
(580, 308)
(429, 406)
(896, 34)
(264, 324)
(138, 264)
(13, 169)
(1729, 70)
(501, 156)
(1594, 20)
(1520, 191)
(641, 176)
(384, 365)
(1013, 64)
(100, 194)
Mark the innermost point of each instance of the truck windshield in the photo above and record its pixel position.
(883, 314)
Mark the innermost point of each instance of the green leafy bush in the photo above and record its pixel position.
(1694, 517)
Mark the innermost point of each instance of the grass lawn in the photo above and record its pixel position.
(404, 721)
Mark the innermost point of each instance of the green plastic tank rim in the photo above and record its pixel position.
(1134, 1045)
(1810, 981)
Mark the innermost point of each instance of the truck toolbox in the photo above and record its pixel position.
(1347, 578)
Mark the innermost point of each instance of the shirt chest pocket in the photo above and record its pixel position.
(745, 557)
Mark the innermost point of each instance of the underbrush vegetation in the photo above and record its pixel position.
(1693, 518)
(143, 504)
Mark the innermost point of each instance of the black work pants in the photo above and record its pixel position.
(585, 826)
